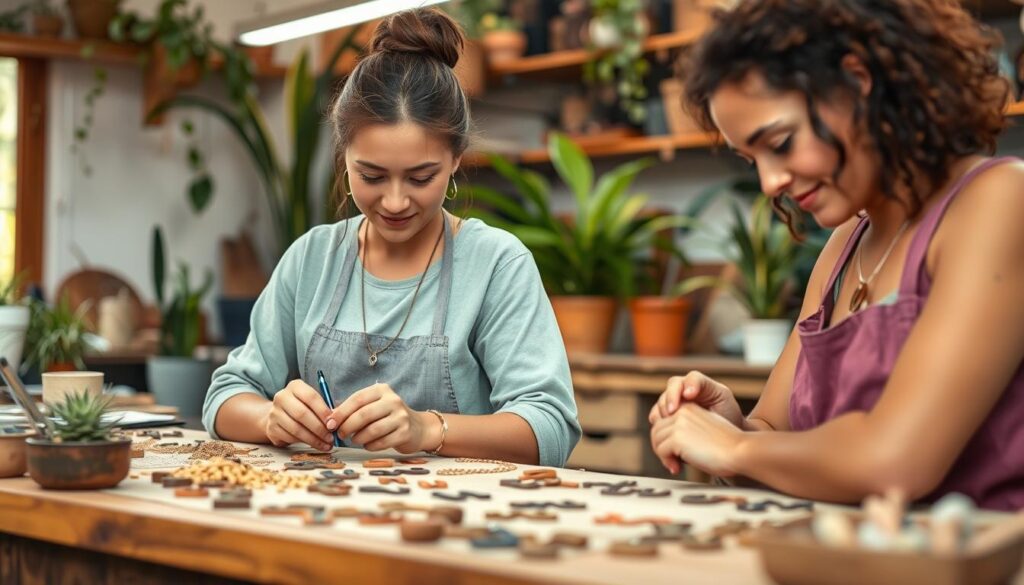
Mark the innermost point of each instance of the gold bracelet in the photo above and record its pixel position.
(444, 431)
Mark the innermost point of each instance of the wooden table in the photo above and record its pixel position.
(615, 392)
(113, 536)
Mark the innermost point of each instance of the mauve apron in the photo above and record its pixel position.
(416, 368)
(844, 368)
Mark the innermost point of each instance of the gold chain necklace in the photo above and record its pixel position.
(362, 294)
(860, 294)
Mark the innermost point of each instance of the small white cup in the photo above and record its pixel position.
(56, 385)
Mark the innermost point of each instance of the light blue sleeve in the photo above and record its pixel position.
(269, 359)
(520, 347)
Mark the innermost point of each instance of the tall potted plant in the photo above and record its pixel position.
(586, 260)
(14, 320)
(174, 376)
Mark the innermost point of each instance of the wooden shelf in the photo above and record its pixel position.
(665, 146)
(549, 64)
(15, 45)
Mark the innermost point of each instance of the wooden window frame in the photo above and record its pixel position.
(31, 169)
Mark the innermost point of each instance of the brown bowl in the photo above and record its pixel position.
(792, 556)
(12, 454)
(78, 466)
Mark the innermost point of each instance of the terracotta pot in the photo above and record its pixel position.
(47, 25)
(62, 367)
(504, 45)
(585, 322)
(78, 465)
(92, 17)
(470, 69)
(659, 325)
(12, 454)
(160, 68)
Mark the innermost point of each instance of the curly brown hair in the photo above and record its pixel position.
(936, 93)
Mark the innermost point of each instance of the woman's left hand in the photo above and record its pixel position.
(377, 418)
(698, 437)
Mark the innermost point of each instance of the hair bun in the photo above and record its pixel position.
(423, 30)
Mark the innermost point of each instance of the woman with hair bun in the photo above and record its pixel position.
(433, 333)
(905, 370)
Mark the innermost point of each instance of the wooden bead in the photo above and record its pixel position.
(428, 530)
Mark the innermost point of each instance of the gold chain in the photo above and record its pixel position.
(501, 467)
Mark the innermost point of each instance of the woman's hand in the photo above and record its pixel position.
(698, 437)
(377, 418)
(696, 388)
(298, 414)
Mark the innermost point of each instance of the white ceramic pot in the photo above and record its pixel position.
(180, 382)
(57, 385)
(13, 325)
(603, 34)
(764, 339)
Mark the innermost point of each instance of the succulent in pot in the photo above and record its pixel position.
(84, 452)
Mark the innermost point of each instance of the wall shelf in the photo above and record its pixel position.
(27, 46)
(556, 63)
(664, 146)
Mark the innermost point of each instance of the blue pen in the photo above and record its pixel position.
(327, 398)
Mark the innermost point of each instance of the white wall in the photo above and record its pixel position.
(140, 175)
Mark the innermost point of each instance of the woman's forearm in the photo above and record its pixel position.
(504, 436)
(243, 418)
(840, 461)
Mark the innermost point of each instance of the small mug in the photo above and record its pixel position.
(56, 385)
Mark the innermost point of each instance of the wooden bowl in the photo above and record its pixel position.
(792, 556)
(78, 465)
(12, 454)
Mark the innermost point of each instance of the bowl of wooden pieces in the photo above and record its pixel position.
(881, 543)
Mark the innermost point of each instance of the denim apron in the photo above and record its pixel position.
(416, 368)
(844, 368)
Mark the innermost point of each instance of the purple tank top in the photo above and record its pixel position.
(844, 368)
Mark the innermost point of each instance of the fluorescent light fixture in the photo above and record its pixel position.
(316, 19)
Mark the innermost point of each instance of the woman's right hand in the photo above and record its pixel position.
(297, 415)
(699, 389)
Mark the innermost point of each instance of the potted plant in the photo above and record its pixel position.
(57, 337)
(92, 17)
(503, 38)
(83, 454)
(586, 260)
(14, 321)
(659, 315)
(767, 258)
(183, 50)
(617, 31)
(46, 20)
(174, 376)
(471, 69)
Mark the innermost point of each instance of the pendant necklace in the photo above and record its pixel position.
(860, 294)
(362, 294)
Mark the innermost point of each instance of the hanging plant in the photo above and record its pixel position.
(83, 128)
(617, 32)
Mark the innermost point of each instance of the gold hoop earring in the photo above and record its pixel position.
(346, 188)
(453, 191)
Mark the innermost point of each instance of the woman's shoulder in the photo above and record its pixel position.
(992, 201)
(488, 244)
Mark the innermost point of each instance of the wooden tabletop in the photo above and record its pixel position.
(243, 545)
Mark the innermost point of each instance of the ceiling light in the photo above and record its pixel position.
(319, 18)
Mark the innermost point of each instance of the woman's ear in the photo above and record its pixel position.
(853, 65)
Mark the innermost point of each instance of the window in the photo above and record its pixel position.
(8, 164)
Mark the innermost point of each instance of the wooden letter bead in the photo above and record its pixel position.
(428, 530)
(189, 492)
(175, 482)
(223, 503)
(630, 548)
(451, 514)
(433, 485)
(378, 463)
(569, 539)
(158, 476)
(391, 480)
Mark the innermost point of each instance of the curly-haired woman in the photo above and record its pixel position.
(905, 369)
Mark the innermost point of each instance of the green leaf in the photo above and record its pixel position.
(574, 168)
(200, 192)
(158, 264)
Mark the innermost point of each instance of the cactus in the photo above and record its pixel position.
(80, 418)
